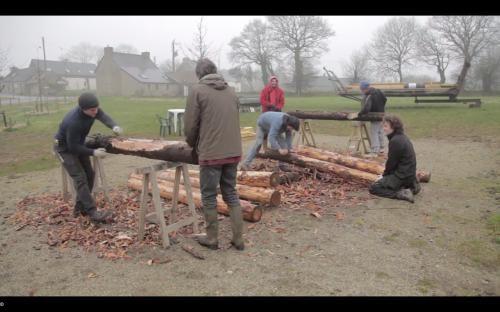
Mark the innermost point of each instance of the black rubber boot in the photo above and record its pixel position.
(210, 240)
(78, 210)
(99, 216)
(416, 188)
(237, 227)
(405, 194)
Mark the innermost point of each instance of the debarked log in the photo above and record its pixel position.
(251, 212)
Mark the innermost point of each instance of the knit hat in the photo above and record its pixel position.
(364, 85)
(87, 100)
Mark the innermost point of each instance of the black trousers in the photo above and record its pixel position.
(390, 184)
(221, 175)
(81, 172)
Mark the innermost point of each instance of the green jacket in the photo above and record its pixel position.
(212, 119)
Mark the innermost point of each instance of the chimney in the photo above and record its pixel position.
(108, 51)
(145, 55)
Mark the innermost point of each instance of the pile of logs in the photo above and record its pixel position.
(247, 133)
(347, 167)
(255, 188)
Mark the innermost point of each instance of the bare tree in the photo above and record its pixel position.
(4, 60)
(83, 52)
(302, 36)
(432, 51)
(466, 37)
(166, 66)
(200, 47)
(357, 68)
(394, 45)
(126, 48)
(487, 68)
(255, 45)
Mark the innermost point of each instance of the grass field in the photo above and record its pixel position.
(29, 148)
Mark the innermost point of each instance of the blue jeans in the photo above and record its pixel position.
(259, 139)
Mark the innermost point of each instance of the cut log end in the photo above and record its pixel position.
(275, 199)
(274, 180)
(256, 215)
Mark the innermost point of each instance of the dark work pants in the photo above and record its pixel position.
(80, 170)
(219, 175)
(390, 184)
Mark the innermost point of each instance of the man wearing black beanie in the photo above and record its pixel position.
(71, 150)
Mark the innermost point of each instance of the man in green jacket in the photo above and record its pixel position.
(212, 128)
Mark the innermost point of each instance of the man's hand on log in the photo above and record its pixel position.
(100, 152)
(352, 116)
(283, 151)
(117, 130)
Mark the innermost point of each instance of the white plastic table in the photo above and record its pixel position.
(174, 113)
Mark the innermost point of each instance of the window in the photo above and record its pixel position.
(156, 87)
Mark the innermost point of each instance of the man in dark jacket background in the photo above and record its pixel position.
(399, 179)
(212, 128)
(75, 156)
(373, 101)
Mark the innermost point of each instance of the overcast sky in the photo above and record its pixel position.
(22, 35)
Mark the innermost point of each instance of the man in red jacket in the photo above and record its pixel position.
(272, 97)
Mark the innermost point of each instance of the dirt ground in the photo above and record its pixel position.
(438, 246)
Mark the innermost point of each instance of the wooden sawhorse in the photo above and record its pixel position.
(100, 183)
(149, 179)
(305, 134)
(359, 138)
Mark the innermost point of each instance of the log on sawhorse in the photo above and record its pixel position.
(150, 180)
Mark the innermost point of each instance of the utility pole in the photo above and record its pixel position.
(44, 68)
(174, 54)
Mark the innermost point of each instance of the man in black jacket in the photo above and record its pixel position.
(373, 101)
(69, 146)
(399, 179)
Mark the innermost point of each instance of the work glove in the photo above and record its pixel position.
(352, 116)
(117, 130)
(100, 152)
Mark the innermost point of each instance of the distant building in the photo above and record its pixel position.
(184, 76)
(125, 74)
(54, 76)
(15, 81)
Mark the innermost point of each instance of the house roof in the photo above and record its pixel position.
(141, 68)
(19, 75)
(67, 69)
(185, 73)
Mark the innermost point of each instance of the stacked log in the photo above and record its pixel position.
(251, 178)
(251, 212)
(255, 194)
(322, 166)
(344, 160)
(348, 167)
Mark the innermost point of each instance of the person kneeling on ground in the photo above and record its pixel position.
(399, 179)
(273, 125)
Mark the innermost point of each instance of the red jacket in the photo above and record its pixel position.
(272, 96)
